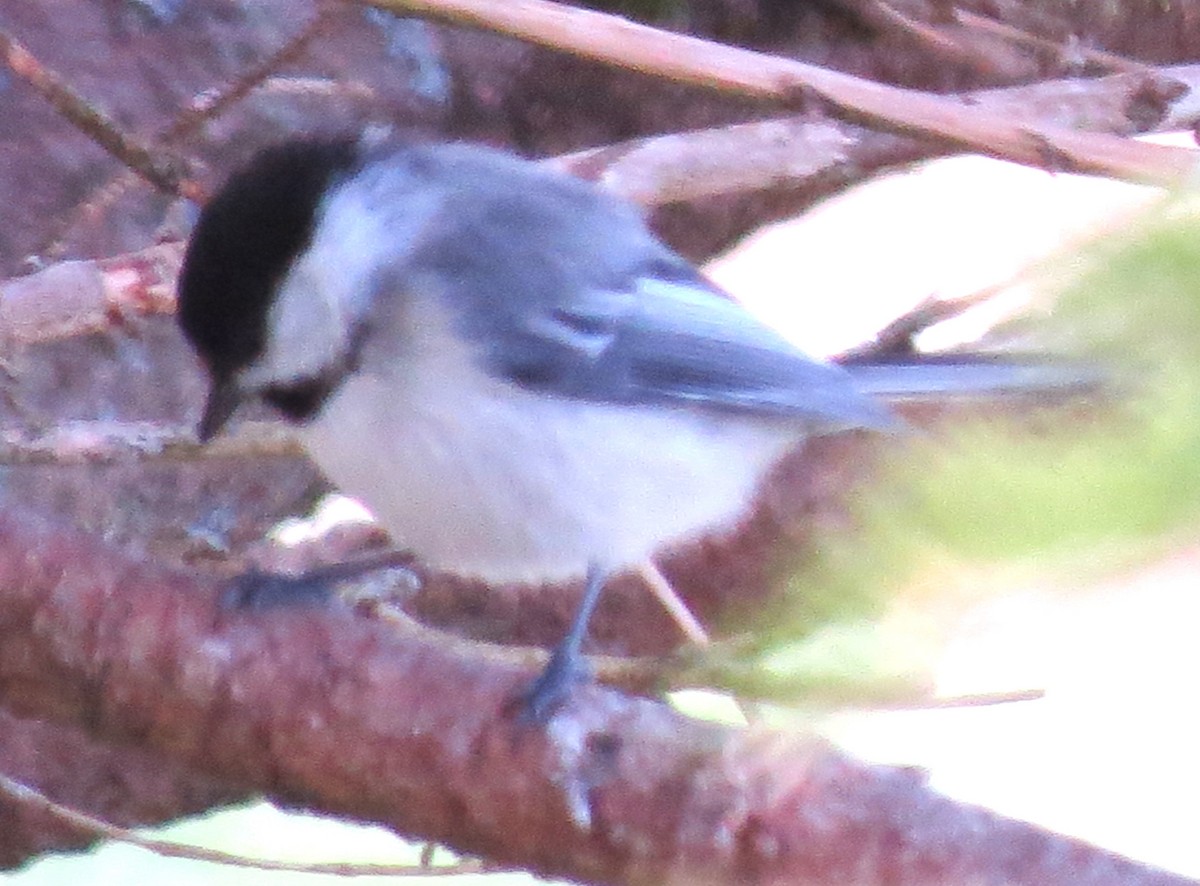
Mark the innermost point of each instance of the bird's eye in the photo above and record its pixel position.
(298, 400)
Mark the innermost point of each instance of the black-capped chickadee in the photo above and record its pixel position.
(502, 362)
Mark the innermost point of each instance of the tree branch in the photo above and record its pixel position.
(167, 174)
(40, 804)
(80, 297)
(128, 785)
(322, 709)
(689, 59)
(795, 152)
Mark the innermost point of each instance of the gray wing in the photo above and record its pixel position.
(680, 341)
(566, 291)
(664, 337)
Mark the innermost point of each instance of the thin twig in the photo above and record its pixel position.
(168, 174)
(897, 338)
(28, 796)
(1109, 60)
(936, 42)
(204, 107)
(212, 103)
(108, 442)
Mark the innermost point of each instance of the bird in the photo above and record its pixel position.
(514, 374)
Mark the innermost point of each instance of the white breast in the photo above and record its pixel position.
(484, 479)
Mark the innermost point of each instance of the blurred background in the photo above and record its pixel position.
(1106, 750)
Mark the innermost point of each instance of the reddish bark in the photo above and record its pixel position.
(126, 785)
(322, 709)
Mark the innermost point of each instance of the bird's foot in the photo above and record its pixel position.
(257, 590)
(567, 667)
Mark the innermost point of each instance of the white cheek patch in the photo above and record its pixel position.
(365, 229)
(306, 330)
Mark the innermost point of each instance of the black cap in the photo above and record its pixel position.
(245, 240)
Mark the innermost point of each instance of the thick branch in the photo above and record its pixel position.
(126, 785)
(81, 297)
(692, 60)
(326, 710)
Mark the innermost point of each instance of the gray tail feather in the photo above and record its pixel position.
(952, 375)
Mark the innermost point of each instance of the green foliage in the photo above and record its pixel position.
(981, 506)
(1096, 476)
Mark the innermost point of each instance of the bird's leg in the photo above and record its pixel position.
(264, 590)
(567, 666)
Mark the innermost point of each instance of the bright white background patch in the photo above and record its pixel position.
(950, 228)
(1110, 753)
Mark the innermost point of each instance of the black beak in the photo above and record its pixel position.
(223, 399)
